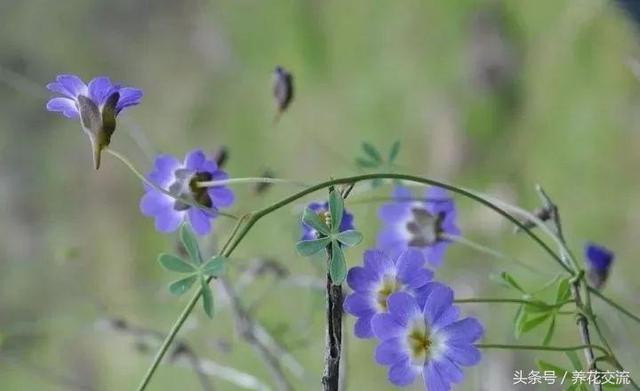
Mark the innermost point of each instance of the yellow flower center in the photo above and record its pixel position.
(389, 285)
(419, 343)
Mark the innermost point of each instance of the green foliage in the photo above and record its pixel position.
(194, 266)
(373, 159)
(330, 236)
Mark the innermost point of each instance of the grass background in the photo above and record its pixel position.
(490, 95)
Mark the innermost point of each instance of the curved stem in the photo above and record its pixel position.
(254, 217)
(133, 169)
(513, 301)
(540, 347)
(233, 181)
(613, 304)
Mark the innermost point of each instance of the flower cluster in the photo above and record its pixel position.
(427, 224)
(188, 200)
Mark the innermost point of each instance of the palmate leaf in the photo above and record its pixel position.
(181, 286)
(549, 334)
(518, 321)
(175, 264)
(507, 280)
(207, 297)
(531, 324)
(349, 237)
(564, 291)
(190, 244)
(337, 265)
(311, 218)
(214, 267)
(336, 208)
(310, 247)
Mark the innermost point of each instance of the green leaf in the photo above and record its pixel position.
(393, 153)
(550, 331)
(311, 218)
(190, 243)
(336, 207)
(564, 291)
(575, 360)
(310, 247)
(510, 281)
(558, 372)
(181, 286)
(365, 163)
(214, 267)
(372, 152)
(175, 264)
(518, 321)
(349, 238)
(207, 297)
(530, 324)
(337, 266)
(537, 307)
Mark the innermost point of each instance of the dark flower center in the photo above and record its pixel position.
(389, 285)
(425, 229)
(186, 185)
(419, 343)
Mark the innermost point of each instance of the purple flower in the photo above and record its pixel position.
(96, 104)
(181, 180)
(420, 223)
(380, 277)
(309, 233)
(427, 340)
(598, 260)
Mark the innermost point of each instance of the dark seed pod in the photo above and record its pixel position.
(282, 90)
(221, 155)
(262, 187)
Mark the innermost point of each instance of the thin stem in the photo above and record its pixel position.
(489, 251)
(540, 347)
(514, 301)
(133, 169)
(254, 217)
(233, 181)
(615, 305)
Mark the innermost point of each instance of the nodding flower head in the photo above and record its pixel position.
(322, 210)
(427, 340)
(423, 223)
(380, 277)
(598, 260)
(181, 179)
(96, 105)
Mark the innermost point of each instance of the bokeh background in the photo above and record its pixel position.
(491, 95)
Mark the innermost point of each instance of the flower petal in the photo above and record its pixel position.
(200, 221)
(129, 96)
(65, 106)
(402, 373)
(391, 351)
(362, 327)
(99, 89)
(221, 196)
(439, 300)
(467, 330)
(169, 220)
(463, 354)
(194, 160)
(359, 304)
(433, 380)
(360, 279)
(409, 263)
(72, 84)
(385, 326)
(403, 307)
(153, 202)
(450, 372)
(378, 263)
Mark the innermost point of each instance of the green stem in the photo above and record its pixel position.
(615, 305)
(540, 347)
(133, 169)
(232, 181)
(514, 301)
(254, 217)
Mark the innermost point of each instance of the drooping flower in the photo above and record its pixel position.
(181, 180)
(380, 277)
(96, 105)
(598, 260)
(427, 340)
(322, 210)
(424, 224)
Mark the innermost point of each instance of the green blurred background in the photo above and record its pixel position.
(491, 95)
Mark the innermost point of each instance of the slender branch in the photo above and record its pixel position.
(541, 347)
(233, 181)
(255, 217)
(613, 304)
(246, 328)
(142, 177)
(333, 341)
(514, 301)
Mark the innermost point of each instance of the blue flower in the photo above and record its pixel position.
(426, 340)
(181, 180)
(424, 224)
(598, 260)
(321, 209)
(96, 105)
(377, 279)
